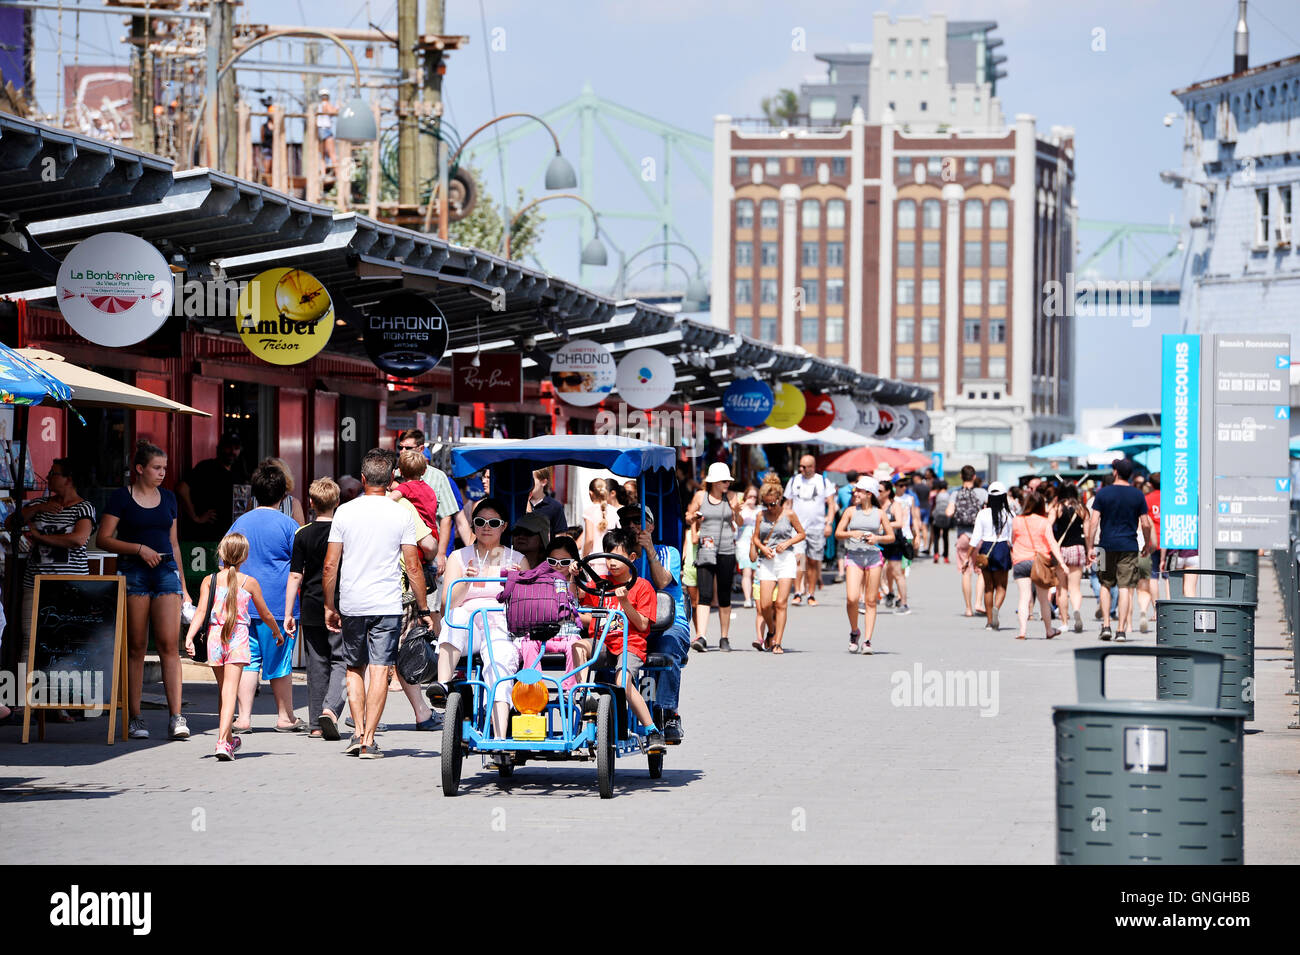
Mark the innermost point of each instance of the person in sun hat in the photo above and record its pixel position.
(812, 496)
(719, 514)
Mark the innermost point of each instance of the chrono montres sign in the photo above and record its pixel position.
(406, 335)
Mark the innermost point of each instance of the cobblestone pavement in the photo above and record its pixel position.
(801, 757)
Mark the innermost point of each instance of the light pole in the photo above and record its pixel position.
(694, 286)
(593, 253)
(559, 174)
(696, 289)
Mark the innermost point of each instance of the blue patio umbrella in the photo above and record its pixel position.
(23, 383)
(1067, 448)
(1135, 446)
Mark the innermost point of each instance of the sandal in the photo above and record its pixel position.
(1054, 633)
(1020, 636)
(796, 599)
(812, 601)
(297, 726)
(777, 649)
(758, 645)
(329, 727)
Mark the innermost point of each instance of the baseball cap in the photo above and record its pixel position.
(997, 487)
(534, 523)
(868, 484)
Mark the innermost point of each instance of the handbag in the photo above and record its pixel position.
(201, 638)
(417, 657)
(536, 601)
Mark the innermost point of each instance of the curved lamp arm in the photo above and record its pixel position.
(538, 201)
(622, 272)
(656, 265)
(451, 163)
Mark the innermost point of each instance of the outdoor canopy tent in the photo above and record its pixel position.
(513, 463)
(831, 437)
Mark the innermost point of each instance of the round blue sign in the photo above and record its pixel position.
(747, 402)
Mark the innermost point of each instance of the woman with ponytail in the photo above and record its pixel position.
(227, 595)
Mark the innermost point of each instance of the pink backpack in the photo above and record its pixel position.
(536, 601)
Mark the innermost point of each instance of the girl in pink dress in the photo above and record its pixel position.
(562, 555)
(227, 622)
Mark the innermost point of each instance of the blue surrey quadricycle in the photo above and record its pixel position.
(591, 720)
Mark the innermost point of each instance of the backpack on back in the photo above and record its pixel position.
(536, 601)
(967, 507)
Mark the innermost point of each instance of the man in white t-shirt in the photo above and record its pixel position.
(366, 537)
(812, 497)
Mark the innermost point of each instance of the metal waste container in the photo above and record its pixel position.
(1225, 624)
(1148, 782)
(1243, 561)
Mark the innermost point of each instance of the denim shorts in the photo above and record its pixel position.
(145, 581)
(371, 640)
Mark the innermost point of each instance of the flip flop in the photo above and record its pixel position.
(329, 728)
(777, 649)
(758, 645)
(297, 726)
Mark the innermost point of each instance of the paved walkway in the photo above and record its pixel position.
(803, 757)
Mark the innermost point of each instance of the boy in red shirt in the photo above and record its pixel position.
(411, 465)
(638, 603)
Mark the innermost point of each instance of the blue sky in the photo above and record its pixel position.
(683, 61)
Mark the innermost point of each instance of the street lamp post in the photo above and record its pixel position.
(592, 254)
(697, 290)
(559, 174)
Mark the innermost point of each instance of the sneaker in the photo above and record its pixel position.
(136, 729)
(796, 599)
(225, 752)
(889, 600)
(1142, 624)
(866, 647)
(699, 645)
(854, 637)
(724, 644)
(354, 746)
(994, 622)
(1105, 633)
(177, 728)
(235, 743)
(947, 561)
(673, 732)
(371, 752)
(1120, 636)
(654, 742)
(434, 722)
(1078, 622)
(903, 609)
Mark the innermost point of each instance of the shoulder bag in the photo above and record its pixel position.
(204, 613)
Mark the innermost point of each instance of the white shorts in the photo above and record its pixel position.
(783, 566)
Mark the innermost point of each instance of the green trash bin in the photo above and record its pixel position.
(1148, 782)
(1225, 624)
(1243, 561)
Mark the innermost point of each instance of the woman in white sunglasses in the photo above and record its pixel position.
(485, 556)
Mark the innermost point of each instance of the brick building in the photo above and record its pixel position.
(915, 246)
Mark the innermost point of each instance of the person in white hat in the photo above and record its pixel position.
(863, 528)
(812, 496)
(991, 542)
(718, 513)
(325, 113)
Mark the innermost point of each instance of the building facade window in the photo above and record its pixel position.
(904, 167)
(973, 255)
(742, 165)
(835, 214)
(925, 48)
(808, 255)
(970, 331)
(929, 291)
(808, 330)
(971, 292)
(905, 367)
(997, 291)
(811, 288)
(998, 214)
(929, 331)
(930, 216)
(930, 254)
(997, 366)
(986, 440)
(769, 253)
(772, 166)
(821, 108)
(744, 292)
(834, 253)
(998, 254)
(907, 254)
(839, 165)
(1261, 217)
(1284, 214)
(970, 166)
(905, 331)
(929, 367)
(971, 367)
(767, 291)
(1001, 165)
(769, 214)
(834, 329)
(810, 216)
(907, 214)
(834, 291)
(974, 214)
(744, 213)
(906, 294)
(997, 331)
(744, 254)
(767, 329)
(807, 165)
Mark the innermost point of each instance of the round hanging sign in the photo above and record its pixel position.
(747, 402)
(819, 412)
(285, 316)
(788, 409)
(868, 418)
(846, 412)
(115, 289)
(885, 429)
(921, 429)
(906, 422)
(406, 335)
(583, 372)
(646, 378)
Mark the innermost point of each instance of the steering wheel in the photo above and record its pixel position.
(599, 586)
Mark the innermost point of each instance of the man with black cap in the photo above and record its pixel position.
(205, 493)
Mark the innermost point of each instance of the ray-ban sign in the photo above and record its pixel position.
(497, 377)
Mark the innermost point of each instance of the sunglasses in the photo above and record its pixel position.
(562, 379)
(409, 447)
(489, 522)
(561, 561)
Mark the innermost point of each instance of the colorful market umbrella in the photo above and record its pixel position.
(865, 460)
(22, 382)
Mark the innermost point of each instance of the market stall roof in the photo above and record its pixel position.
(627, 457)
(93, 390)
(831, 437)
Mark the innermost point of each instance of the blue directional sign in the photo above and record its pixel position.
(1180, 441)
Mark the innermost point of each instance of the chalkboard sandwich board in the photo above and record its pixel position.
(76, 652)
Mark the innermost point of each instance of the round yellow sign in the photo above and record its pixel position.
(285, 316)
(788, 408)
